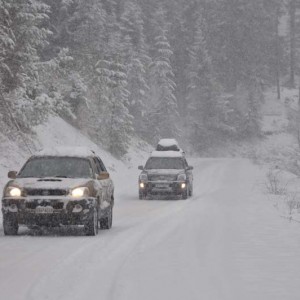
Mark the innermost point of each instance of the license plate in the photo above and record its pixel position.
(44, 209)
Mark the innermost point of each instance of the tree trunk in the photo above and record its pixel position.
(277, 55)
(292, 13)
(298, 118)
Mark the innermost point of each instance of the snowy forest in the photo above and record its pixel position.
(194, 70)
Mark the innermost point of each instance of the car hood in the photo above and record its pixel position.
(49, 183)
(164, 171)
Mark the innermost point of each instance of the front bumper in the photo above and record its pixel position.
(163, 187)
(49, 212)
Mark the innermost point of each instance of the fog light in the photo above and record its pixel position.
(142, 185)
(13, 208)
(183, 185)
(77, 208)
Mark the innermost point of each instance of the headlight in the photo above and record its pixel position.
(80, 192)
(13, 191)
(143, 177)
(181, 177)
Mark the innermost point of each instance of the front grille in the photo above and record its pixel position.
(58, 205)
(162, 177)
(54, 204)
(46, 192)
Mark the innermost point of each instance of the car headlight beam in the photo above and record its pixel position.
(13, 191)
(80, 192)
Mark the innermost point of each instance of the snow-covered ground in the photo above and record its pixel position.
(226, 242)
(279, 151)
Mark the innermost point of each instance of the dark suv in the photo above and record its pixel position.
(166, 173)
(62, 186)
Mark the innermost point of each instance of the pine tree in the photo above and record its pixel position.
(112, 105)
(137, 61)
(120, 123)
(22, 23)
(253, 126)
(292, 15)
(179, 40)
(202, 91)
(23, 36)
(7, 40)
(164, 112)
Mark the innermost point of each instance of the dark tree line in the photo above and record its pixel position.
(194, 70)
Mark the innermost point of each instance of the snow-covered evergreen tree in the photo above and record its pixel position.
(153, 67)
(23, 35)
(112, 105)
(179, 40)
(7, 40)
(164, 113)
(202, 91)
(137, 61)
(120, 121)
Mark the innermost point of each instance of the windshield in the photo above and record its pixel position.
(164, 163)
(69, 167)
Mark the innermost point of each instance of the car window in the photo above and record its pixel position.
(101, 165)
(185, 163)
(69, 167)
(165, 163)
(97, 165)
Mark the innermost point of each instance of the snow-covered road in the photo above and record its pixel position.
(225, 243)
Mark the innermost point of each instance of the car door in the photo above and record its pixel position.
(189, 173)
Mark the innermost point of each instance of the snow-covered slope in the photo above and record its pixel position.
(55, 133)
(279, 143)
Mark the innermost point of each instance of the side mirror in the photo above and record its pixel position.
(190, 168)
(140, 167)
(103, 175)
(12, 174)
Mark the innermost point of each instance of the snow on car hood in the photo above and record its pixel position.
(164, 171)
(49, 183)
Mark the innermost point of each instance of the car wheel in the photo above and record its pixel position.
(185, 194)
(91, 227)
(106, 222)
(10, 225)
(142, 196)
(191, 191)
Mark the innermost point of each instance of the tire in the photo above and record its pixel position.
(106, 222)
(91, 227)
(10, 225)
(142, 196)
(191, 191)
(186, 193)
